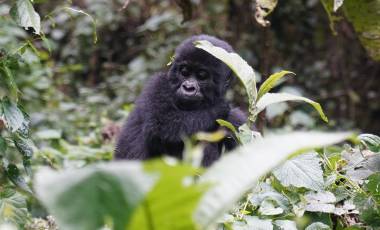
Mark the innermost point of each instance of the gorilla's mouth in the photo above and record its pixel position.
(188, 101)
(189, 91)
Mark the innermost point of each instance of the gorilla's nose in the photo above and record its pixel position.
(189, 88)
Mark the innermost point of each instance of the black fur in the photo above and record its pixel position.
(163, 115)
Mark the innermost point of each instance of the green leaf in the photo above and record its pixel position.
(14, 118)
(240, 170)
(374, 186)
(301, 171)
(237, 64)
(91, 197)
(271, 82)
(25, 15)
(12, 207)
(227, 124)
(13, 173)
(171, 202)
(272, 98)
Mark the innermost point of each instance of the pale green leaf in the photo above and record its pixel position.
(271, 82)
(272, 98)
(301, 171)
(237, 64)
(25, 15)
(240, 170)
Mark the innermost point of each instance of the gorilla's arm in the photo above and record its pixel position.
(130, 143)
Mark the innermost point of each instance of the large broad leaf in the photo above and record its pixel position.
(239, 171)
(91, 197)
(171, 202)
(272, 98)
(25, 15)
(302, 171)
(12, 207)
(271, 82)
(238, 65)
(14, 118)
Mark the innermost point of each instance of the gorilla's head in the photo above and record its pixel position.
(197, 78)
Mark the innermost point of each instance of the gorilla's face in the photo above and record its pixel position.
(198, 79)
(198, 84)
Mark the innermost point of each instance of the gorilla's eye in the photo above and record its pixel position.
(184, 70)
(203, 75)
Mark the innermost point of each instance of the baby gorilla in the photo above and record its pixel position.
(189, 98)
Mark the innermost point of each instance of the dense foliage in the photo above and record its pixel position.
(70, 71)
